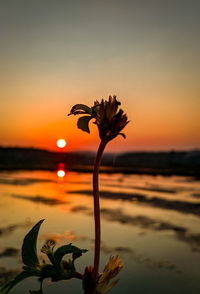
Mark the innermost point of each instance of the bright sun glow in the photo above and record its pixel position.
(61, 143)
(61, 173)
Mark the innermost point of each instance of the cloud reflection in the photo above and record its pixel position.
(7, 274)
(23, 181)
(41, 199)
(10, 228)
(116, 215)
(68, 235)
(9, 252)
(177, 205)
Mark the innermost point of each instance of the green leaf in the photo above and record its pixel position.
(83, 123)
(29, 247)
(48, 271)
(67, 249)
(36, 292)
(80, 109)
(23, 275)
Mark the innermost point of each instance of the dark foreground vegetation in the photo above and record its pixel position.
(165, 163)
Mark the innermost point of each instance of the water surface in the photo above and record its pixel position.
(152, 222)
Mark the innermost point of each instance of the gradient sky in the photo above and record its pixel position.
(54, 54)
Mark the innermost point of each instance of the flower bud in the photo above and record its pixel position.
(48, 246)
(109, 120)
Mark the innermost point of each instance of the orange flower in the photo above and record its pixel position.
(103, 285)
(112, 268)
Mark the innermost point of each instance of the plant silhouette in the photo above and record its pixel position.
(110, 121)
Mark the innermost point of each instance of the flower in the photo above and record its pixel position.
(102, 285)
(48, 247)
(109, 120)
(112, 268)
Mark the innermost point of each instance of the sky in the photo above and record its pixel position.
(56, 53)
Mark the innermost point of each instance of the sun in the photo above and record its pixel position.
(61, 173)
(61, 143)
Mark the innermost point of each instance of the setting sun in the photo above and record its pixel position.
(61, 173)
(61, 143)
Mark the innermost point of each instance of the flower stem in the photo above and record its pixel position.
(78, 275)
(96, 206)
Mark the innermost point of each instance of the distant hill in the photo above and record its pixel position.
(172, 162)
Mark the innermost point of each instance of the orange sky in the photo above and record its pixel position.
(54, 56)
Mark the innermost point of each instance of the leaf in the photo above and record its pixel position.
(29, 250)
(83, 123)
(94, 113)
(67, 249)
(23, 275)
(123, 135)
(80, 109)
(76, 255)
(48, 271)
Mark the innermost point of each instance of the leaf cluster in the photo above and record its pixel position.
(58, 268)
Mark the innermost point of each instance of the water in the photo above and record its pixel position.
(152, 222)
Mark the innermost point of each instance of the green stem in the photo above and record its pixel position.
(96, 206)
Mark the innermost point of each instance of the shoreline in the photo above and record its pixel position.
(112, 170)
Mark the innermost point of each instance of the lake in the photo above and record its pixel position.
(152, 222)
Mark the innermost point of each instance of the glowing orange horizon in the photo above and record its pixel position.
(149, 129)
